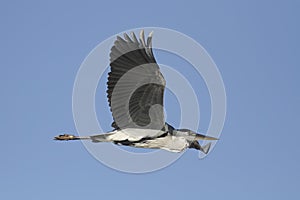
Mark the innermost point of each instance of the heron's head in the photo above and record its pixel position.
(186, 133)
(191, 135)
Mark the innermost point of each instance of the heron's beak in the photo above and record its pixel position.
(204, 137)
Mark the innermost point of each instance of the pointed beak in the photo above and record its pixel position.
(204, 137)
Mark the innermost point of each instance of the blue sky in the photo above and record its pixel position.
(255, 45)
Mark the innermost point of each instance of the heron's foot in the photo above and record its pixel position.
(66, 137)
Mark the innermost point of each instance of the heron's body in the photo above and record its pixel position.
(136, 138)
(135, 95)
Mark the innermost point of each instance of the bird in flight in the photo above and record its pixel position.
(135, 91)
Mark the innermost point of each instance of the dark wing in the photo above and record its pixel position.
(135, 84)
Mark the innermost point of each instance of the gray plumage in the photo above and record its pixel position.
(135, 84)
(135, 92)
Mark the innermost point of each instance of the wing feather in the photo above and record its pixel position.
(135, 87)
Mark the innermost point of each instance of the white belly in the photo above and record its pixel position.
(169, 143)
(132, 134)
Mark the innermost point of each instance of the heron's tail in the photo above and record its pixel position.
(205, 148)
(66, 137)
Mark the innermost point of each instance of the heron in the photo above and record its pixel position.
(135, 92)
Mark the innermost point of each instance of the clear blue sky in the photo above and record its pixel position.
(255, 44)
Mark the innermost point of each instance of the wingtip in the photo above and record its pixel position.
(142, 33)
(127, 38)
(150, 34)
(133, 36)
(149, 40)
(205, 149)
(142, 37)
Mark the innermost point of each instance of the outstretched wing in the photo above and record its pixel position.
(135, 84)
